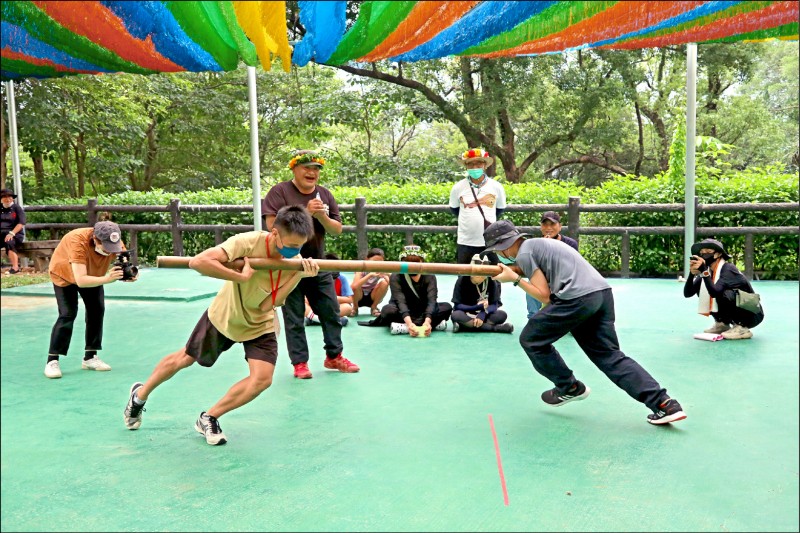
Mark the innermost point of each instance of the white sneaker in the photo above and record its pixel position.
(737, 333)
(399, 328)
(456, 326)
(718, 327)
(441, 326)
(95, 364)
(208, 426)
(52, 370)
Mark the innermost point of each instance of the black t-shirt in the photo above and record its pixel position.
(467, 293)
(287, 193)
(10, 217)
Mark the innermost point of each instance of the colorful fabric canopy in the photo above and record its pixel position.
(57, 38)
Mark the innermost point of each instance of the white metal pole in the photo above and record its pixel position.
(691, 135)
(255, 165)
(12, 128)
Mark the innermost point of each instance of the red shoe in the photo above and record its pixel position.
(341, 364)
(301, 371)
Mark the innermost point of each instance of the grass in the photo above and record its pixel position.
(9, 281)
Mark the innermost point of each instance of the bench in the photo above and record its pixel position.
(39, 251)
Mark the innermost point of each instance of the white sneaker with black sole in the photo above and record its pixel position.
(209, 427)
(52, 369)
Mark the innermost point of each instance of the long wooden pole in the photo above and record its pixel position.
(330, 265)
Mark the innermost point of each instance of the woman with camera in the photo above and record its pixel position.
(716, 282)
(80, 266)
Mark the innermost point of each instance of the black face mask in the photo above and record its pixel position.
(708, 258)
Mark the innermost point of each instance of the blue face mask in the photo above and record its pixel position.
(506, 260)
(475, 173)
(287, 252)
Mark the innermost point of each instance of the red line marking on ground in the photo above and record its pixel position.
(499, 462)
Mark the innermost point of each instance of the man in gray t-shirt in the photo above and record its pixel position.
(579, 301)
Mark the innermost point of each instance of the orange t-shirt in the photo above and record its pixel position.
(77, 246)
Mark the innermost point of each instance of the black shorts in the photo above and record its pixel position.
(366, 300)
(13, 244)
(206, 344)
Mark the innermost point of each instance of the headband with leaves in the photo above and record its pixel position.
(415, 250)
(302, 159)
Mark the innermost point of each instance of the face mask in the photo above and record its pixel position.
(475, 173)
(506, 260)
(287, 252)
(8, 204)
(99, 250)
(708, 258)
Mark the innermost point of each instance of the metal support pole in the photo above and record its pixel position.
(255, 165)
(691, 135)
(12, 129)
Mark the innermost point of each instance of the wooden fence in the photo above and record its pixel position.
(574, 229)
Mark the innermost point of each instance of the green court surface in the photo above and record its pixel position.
(407, 444)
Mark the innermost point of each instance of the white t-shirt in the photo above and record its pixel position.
(491, 195)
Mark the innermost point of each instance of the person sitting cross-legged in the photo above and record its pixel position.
(476, 303)
(413, 308)
(369, 288)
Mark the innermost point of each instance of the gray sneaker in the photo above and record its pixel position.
(737, 333)
(718, 327)
(209, 427)
(133, 411)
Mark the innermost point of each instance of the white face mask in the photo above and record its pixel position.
(99, 249)
(7, 202)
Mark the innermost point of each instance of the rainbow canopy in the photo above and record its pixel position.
(56, 38)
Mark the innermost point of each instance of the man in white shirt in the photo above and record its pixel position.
(477, 201)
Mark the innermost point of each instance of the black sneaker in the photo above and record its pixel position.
(504, 328)
(669, 411)
(133, 411)
(209, 427)
(554, 397)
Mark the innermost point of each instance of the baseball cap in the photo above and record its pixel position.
(501, 235)
(110, 236)
(552, 216)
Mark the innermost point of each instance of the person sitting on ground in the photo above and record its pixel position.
(243, 311)
(715, 282)
(551, 229)
(369, 288)
(413, 308)
(12, 228)
(476, 303)
(344, 295)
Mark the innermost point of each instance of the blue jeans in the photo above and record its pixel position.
(533, 305)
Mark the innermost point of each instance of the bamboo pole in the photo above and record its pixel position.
(330, 265)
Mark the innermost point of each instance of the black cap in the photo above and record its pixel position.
(501, 235)
(552, 216)
(7, 192)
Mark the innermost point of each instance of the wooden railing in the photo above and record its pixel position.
(574, 229)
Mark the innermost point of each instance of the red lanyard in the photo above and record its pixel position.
(274, 286)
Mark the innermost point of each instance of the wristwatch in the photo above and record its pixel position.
(519, 278)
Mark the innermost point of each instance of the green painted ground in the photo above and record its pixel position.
(405, 445)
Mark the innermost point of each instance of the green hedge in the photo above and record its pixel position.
(777, 256)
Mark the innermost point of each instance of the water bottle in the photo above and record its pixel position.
(327, 209)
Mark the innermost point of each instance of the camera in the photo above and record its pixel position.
(129, 270)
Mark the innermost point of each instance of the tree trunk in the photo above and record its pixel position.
(638, 167)
(66, 168)
(80, 163)
(38, 172)
(150, 163)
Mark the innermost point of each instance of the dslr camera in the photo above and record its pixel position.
(129, 270)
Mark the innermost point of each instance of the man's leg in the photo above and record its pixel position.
(545, 328)
(293, 315)
(597, 337)
(377, 295)
(464, 253)
(245, 390)
(322, 299)
(442, 314)
(67, 301)
(164, 370)
(94, 304)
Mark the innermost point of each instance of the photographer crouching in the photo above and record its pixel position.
(80, 266)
